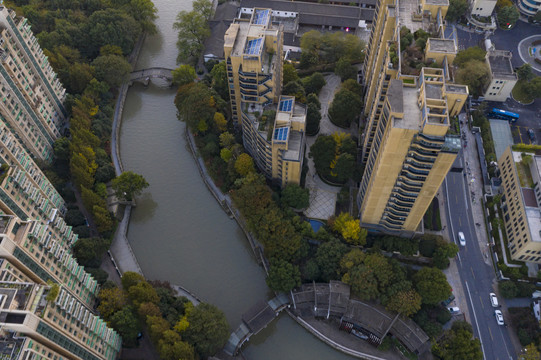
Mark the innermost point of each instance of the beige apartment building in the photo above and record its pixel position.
(31, 96)
(502, 75)
(273, 127)
(482, 8)
(35, 324)
(407, 147)
(521, 203)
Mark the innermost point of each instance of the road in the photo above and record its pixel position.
(476, 276)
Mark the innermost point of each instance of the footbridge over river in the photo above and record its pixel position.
(145, 75)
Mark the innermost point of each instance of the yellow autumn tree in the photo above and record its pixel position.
(220, 122)
(350, 229)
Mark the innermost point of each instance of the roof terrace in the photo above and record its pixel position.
(500, 65)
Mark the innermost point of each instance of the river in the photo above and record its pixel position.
(178, 231)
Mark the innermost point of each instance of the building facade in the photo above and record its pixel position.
(31, 96)
(272, 126)
(482, 8)
(46, 322)
(529, 7)
(521, 203)
(408, 146)
(502, 75)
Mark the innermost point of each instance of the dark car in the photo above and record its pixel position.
(531, 135)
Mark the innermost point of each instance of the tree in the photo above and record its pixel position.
(508, 289)
(471, 53)
(82, 170)
(144, 12)
(171, 347)
(244, 164)
(89, 251)
(406, 302)
(91, 199)
(323, 152)
(458, 343)
(295, 196)
(142, 292)
(193, 29)
(476, 75)
(219, 80)
(204, 7)
(193, 102)
(313, 118)
(500, 4)
(313, 99)
(283, 276)
(508, 16)
(157, 326)
(328, 257)
(128, 185)
(111, 301)
(289, 74)
(457, 9)
(295, 88)
(53, 293)
(112, 69)
(530, 353)
(350, 229)
(111, 27)
(443, 253)
(345, 108)
(432, 285)
(125, 322)
(131, 278)
(208, 330)
(345, 70)
(80, 75)
(183, 75)
(103, 219)
(313, 83)
(536, 19)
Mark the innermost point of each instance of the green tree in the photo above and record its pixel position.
(91, 199)
(283, 276)
(82, 170)
(344, 168)
(289, 73)
(171, 347)
(328, 257)
(142, 292)
(458, 343)
(219, 80)
(131, 278)
(432, 285)
(500, 4)
(508, 289)
(111, 27)
(157, 326)
(525, 72)
(295, 88)
(80, 75)
(476, 75)
(345, 70)
(112, 69)
(457, 9)
(313, 99)
(111, 301)
(208, 330)
(125, 322)
(53, 293)
(323, 152)
(128, 185)
(508, 16)
(89, 251)
(103, 219)
(244, 164)
(295, 196)
(193, 29)
(313, 118)
(183, 75)
(406, 302)
(144, 12)
(345, 108)
(193, 102)
(204, 7)
(530, 353)
(313, 83)
(471, 53)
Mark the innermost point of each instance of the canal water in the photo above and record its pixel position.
(178, 231)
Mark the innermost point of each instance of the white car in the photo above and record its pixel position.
(454, 310)
(494, 300)
(499, 317)
(461, 238)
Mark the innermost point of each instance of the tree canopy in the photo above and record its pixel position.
(193, 29)
(458, 343)
(129, 184)
(208, 330)
(432, 285)
(476, 75)
(345, 108)
(457, 9)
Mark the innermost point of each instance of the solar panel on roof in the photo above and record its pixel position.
(286, 105)
(281, 134)
(253, 46)
(261, 17)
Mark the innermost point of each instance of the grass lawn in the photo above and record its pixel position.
(519, 94)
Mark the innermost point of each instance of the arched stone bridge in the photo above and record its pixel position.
(145, 75)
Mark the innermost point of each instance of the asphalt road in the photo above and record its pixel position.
(476, 276)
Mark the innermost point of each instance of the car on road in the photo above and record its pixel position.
(454, 310)
(499, 317)
(531, 135)
(494, 300)
(461, 238)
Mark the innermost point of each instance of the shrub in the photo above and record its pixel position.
(508, 289)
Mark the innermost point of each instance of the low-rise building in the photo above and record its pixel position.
(482, 8)
(521, 188)
(502, 75)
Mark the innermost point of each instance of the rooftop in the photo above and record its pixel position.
(534, 222)
(459, 89)
(412, 113)
(441, 45)
(500, 64)
(502, 136)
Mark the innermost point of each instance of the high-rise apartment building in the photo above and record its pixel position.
(272, 126)
(408, 146)
(36, 324)
(31, 96)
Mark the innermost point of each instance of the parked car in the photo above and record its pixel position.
(454, 310)
(448, 301)
(461, 238)
(531, 135)
(494, 300)
(499, 317)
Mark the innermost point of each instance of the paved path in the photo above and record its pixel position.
(322, 195)
(121, 249)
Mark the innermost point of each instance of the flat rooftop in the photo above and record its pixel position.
(433, 91)
(502, 136)
(294, 147)
(500, 64)
(441, 45)
(412, 113)
(534, 222)
(457, 89)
